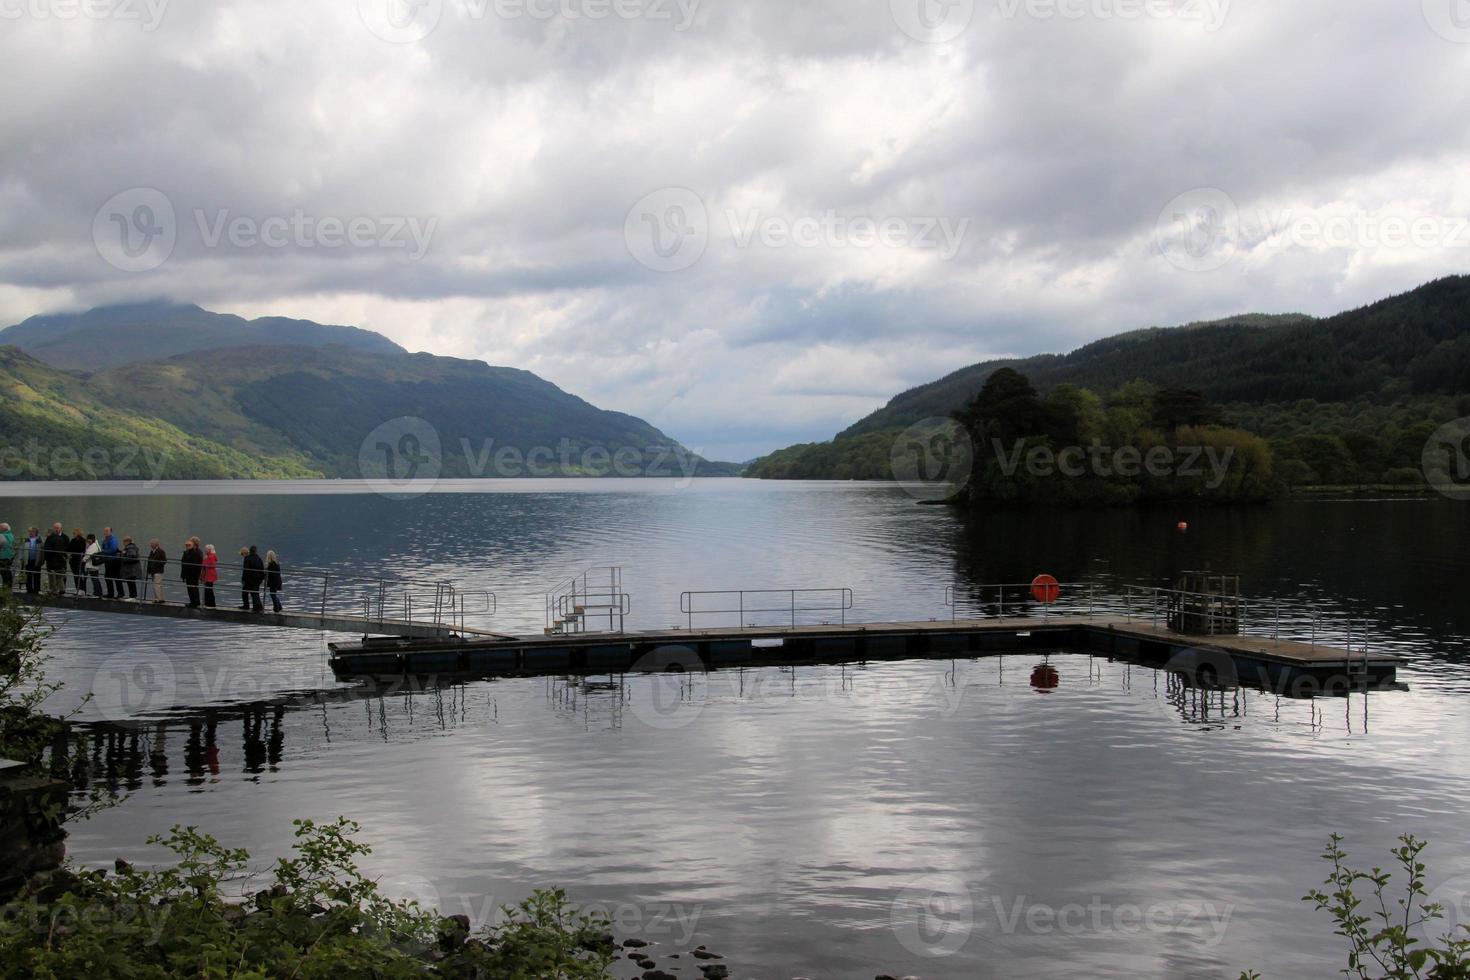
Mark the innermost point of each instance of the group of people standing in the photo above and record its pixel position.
(113, 568)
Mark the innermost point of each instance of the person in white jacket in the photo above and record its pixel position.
(92, 566)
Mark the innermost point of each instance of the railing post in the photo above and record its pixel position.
(326, 576)
(742, 609)
(793, 608)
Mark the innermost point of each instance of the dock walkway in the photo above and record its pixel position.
(329, 620)
(1220, 659)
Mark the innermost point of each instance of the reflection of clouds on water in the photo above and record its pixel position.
(815, 793)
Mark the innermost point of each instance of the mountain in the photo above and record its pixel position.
(1381, 373)
(212, 395)
(110, 336)
(323, 408)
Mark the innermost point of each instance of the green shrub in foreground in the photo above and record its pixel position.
(320, 918)
(1381, 933)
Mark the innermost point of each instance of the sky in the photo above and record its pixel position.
(750, 223)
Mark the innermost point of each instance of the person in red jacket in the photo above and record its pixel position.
(211, 574)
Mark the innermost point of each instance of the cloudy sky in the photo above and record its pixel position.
(748, 222)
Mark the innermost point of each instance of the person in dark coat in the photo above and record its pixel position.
(132, 569)
(112, 564)
(75, 549)
(192, 569)
(57, 552)
(273, 579)
(157, 562)
(251, 580)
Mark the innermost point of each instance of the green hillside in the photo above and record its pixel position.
(323, 405)
(53, 428)
(1346, 399)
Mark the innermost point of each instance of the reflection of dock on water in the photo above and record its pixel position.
(201, 746)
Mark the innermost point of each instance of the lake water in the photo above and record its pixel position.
(935, 818)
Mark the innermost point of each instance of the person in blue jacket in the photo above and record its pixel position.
(35, 553)
(112, 564)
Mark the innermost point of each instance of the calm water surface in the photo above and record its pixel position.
(941, 819)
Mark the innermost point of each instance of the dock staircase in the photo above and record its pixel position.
(591, 602)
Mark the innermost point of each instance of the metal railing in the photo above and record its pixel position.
(1279, 620)
(791, 603)
(445, 606)
(306, 590)
(1019, 600)
(1188, 613)
(586, 599)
